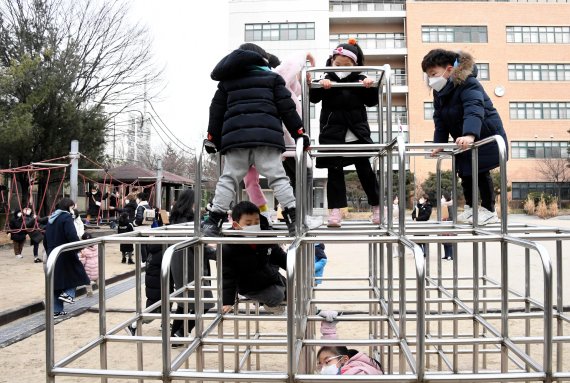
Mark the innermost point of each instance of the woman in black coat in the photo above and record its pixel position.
(18, 232)
(94, 203)
(463, 110)
(69, 272)
(422, 212)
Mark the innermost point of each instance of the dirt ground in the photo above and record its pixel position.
(24, 361)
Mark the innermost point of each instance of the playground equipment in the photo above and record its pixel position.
(421, 323)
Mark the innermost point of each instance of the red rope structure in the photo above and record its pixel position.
(30, 173)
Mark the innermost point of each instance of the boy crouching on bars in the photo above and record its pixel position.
(252, 270)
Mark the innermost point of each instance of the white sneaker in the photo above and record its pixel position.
(275, 310)
(313, 222)
(466, 215)
(19, 256)
(485, 216)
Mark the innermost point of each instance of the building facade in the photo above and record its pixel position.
(522, 50)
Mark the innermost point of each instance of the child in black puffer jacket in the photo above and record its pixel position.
(246, 117)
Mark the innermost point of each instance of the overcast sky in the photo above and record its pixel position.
(190, 37)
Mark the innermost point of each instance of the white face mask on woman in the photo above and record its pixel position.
(330, 370)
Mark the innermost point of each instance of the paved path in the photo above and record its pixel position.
(18, 330)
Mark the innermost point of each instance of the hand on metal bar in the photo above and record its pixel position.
(465, 141)
(210, 147)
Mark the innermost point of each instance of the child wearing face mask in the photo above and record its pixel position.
(339, 360)
(253, 270)
(463, 110)
(343, 121)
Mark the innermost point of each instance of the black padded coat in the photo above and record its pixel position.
(250, 105)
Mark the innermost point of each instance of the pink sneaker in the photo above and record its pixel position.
(334, 218)
(376, 215)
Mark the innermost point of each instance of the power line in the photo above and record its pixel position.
(166, 127)
(174, 142)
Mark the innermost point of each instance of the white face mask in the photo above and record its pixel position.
(422, 201)
(138, 201)
(330, 370)
(342, 75)
(443, 200)
(252, 228)
(71, 211)
(437, 83)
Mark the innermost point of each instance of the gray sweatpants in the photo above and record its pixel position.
(267, 161)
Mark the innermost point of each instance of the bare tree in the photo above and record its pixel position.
(555, 170)
(106, 60)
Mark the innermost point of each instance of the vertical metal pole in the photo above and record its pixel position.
(505, 306)
(102, 309)
(138, 304)
(198, 304)
(158, 203)
(484, 282)
(74, 170)
(559, 305)
(527, 299)
(300, 183)
(50, 347)
(198, 192)
(503, 172)
(475, 306)
(402, 258)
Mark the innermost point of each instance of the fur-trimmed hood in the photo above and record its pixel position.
(465, 68)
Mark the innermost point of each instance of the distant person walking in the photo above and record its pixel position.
(69, 272)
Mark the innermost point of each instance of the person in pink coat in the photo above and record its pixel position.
(290, 70)
(339, 360)
(89, 256)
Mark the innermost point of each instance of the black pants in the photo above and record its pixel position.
(336, 187)
(486, 190)
(291, 171)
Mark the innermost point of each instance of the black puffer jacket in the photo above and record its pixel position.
(152, 254)
(249, 268)
(343, 109)
(463, 107)
(250, 104)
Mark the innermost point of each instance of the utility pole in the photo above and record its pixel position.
(158, 203)
(74, 171)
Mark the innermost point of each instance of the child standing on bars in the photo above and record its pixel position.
(344, 121)
(246, 115)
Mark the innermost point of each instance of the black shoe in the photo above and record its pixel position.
(124, 260)
(59, 314)
(131, 262)
(132, 330)
(212, 227)
(289, 216)
(66, 298)
(37, 260)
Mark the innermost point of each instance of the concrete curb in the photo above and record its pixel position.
(8, 316)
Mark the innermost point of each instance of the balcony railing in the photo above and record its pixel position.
(372, 40)
(400, 117)
(366, 6)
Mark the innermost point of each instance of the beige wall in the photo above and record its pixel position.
(496, 16)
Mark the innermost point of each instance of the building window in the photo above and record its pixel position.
(539, 110)
(454, 34)
(399, 114)
(483, 74)
(279, 31)
(428, 110)
(538, 35)
(371, 40)
(539, 72)
(539, 149)
(520, 190)
(365, 6)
